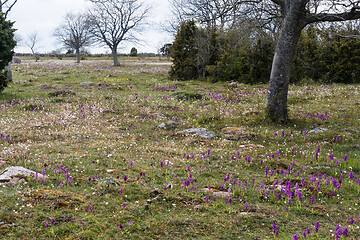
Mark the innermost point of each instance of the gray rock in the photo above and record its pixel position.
(222, 194)
(201, 132)
(63, 122)
(168, 125)
(86, 83)
(16, 60)
(14, 175)
(318, 130)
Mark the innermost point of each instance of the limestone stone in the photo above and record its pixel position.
(168, 125)
(16, 174)
(201, 132)
(318, 130)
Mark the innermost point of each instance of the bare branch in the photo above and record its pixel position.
(353, 14)
(6, 4)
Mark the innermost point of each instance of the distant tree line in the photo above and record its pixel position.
(244, 53)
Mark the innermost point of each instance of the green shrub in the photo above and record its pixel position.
(7, 44)
(184, 52)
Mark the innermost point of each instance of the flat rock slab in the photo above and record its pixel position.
(318, 130)
(87, 84)
(201, 132)
(222, 194)
(13, 175)
(168, 125)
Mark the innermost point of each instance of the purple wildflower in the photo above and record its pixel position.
(274, 227)
(317, 225)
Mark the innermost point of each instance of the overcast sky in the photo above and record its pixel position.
(43, 16)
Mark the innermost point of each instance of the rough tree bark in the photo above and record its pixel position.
(115, 56)
(9, 73)
(77, 52)
(293, 23)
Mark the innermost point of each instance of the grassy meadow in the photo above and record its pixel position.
(92, 129)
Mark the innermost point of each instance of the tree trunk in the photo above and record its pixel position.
(276, 104)
(9, 73)
(77, 55)
(115, 56)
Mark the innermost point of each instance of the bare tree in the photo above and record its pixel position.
(6, 5)
(74, 33)
(32, 41)
(114, 21)
(211, 13)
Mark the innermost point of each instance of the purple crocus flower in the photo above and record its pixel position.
(123, 204)
(46, 224)
(274, 227)
(246, 205)
(121, 226)
(91, 208)
(125, 178)
(52, 221)
(295, 237)
(317, 225)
